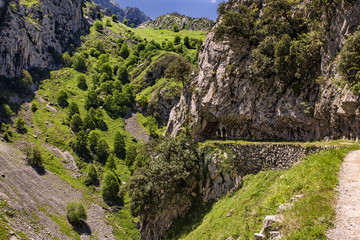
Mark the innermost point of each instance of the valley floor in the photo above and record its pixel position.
(347, 223)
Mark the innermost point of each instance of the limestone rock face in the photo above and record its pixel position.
(31, 36)
(132, 14)
(222, 95)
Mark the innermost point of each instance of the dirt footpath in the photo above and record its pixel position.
(347, 223)
(35, 196)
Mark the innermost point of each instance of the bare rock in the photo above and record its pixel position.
(222, 94)
(284, 207)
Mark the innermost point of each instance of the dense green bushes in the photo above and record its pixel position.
(177, 161)
(349, 61)
(286, 44)
(75, 213)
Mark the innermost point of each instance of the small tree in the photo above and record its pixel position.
(67, 59)
(72, 110)
(110, 163)
(79, 62)
(114, 18)
(98, 26)
(123, 75)
(110, 187)
(177, 40)
(20, 125)
(34, 107)
(176, 28)
(91, 177)
(125, 21)
(93, 139)
(119, 145)
(26, 81)
(62, 98)
(124, 51)
(131, 154)
(76, 123)
(91, 100)
(80, 144)
(179, 70)
(102, 150)
(81, 82)
(75, 213)
(187, 42)
(33, 156)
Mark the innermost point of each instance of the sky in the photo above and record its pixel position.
(191, 8)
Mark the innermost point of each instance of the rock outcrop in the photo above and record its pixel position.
(167, 21)
(223, 95)
(132, 14)
(33, 35)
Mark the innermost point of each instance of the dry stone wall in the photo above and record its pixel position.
(233, 161)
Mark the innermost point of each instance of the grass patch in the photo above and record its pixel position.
(262, 193)
(65, 227)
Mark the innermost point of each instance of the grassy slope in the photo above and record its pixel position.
(261, 195)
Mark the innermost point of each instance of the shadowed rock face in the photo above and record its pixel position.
(223, 96)
(31, 36)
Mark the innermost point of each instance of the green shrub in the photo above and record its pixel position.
(131, 154)
(91, 100)
(110, 163)
(91, 177)
(75, 213)
(93, 139)
(26, 81)
(72, 110)
(110, 188)
(176, 165)
(176, 28)
(98, 26)
(119, 145)
(349, 61)
(5, 110)
(114, 18)
(81, 82)
(79, 62)
(177, 40)
(76, 122)
(124, 51)
(67, 59)
(34, 107)
(20, 125)
(80, 143)
(62, 98)
(102, 150)
(33, 156)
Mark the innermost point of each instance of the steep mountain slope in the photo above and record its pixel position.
(33, 34)
(263, 80)
(167, 21)
(33, 201)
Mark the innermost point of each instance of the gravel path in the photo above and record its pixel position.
(347, 223)
(132, 125)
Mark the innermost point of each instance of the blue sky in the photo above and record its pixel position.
(192, 8)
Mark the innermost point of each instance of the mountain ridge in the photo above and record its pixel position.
(167, 21)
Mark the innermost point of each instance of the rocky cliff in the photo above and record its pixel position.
(167, 21)
(33, 34)
(224, 95)
(132, 14)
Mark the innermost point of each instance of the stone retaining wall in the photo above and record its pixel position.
(226, 171)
